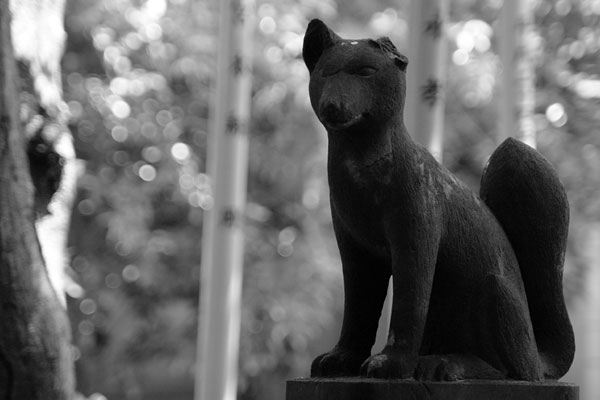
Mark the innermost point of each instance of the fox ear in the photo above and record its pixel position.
(386, 45)
(318, 37)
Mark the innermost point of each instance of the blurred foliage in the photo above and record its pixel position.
(138, 76)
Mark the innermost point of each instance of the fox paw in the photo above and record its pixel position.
(438, 368)
(454, 367)
(389, 366)
(337, 362)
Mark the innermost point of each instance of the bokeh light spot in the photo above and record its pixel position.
(180, 152)
(285, 249)
(76, 109)
(120, 158)
(120, 109)
(556, 114)
(267, 25)
(465, 41)
(152, 154)
(274, 54)
(147, 172)
(311, 198)
(103, 37)
(131, 273)
(86, 327)
(119, 133)
(86, 207)
(133, 41)
(152, 32)
(287, 235)
(186, 181)
(88, 306)
(460, 57)
(119, 85)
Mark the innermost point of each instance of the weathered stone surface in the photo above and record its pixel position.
(379, 389)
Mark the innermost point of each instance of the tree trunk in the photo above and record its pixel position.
(35, 348)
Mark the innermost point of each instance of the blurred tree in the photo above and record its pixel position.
(517, 89)
(426, 78)
(223, 234)
(35, 349)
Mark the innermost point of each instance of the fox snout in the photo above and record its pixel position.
(337, 115)
(334, 113)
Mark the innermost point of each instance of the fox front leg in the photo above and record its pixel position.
(414, 243)
(366, 278)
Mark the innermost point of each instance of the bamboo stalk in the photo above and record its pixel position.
(517, 84)
(223, 240)
(426, 74)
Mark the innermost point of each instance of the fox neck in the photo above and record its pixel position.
(367, 143)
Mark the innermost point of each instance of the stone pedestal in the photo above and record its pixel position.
(377, 389)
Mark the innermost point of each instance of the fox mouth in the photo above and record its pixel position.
(339, 125)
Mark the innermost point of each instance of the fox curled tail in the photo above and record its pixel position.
(524, 193)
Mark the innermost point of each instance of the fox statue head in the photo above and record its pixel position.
(353, 83)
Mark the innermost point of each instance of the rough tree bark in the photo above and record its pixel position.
(35, 347)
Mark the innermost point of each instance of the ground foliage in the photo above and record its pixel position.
(138, 76)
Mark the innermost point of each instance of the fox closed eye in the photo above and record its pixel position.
(365, 71)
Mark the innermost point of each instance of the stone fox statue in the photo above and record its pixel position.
(477, 280)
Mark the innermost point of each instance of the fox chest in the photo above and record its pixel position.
(361, 196)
